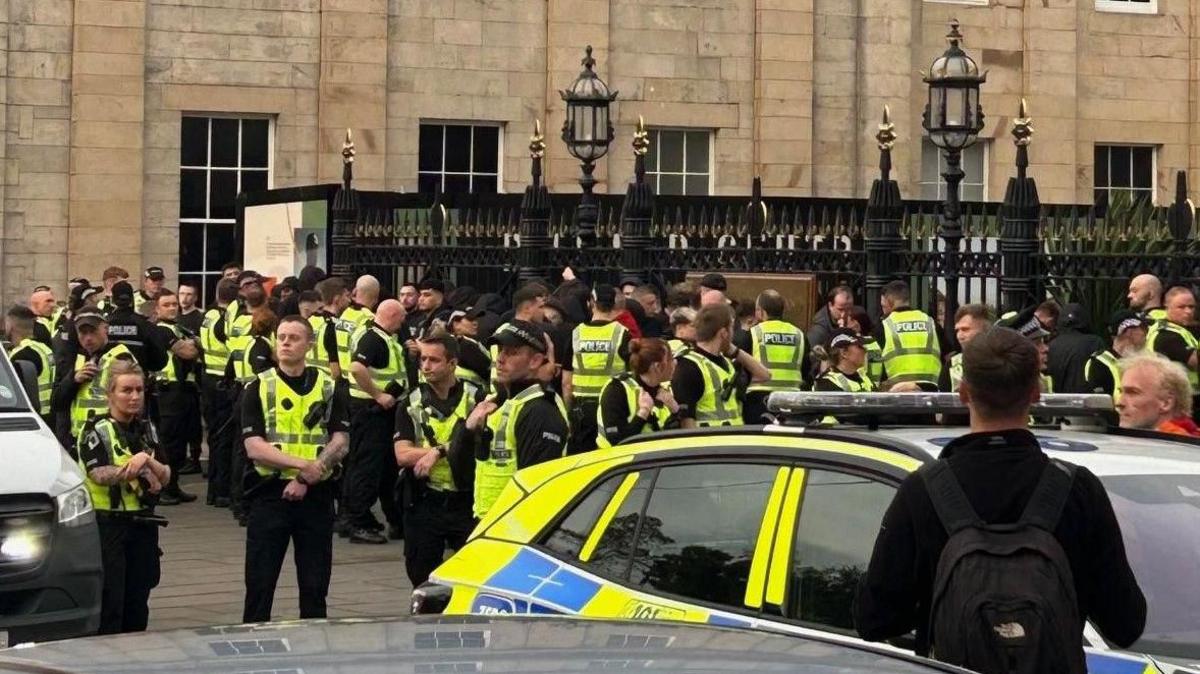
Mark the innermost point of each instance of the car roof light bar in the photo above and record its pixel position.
(791, 403)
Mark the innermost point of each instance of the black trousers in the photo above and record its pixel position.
(370, 467)
(237, 459)
(583, 425)
(222, 428)
(178, 410)
(433, 522)
(273, 523)
(130, 555)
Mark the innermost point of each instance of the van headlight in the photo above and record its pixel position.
(75, 507)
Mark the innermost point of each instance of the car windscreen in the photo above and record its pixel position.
(11, 399)
(1160, 524)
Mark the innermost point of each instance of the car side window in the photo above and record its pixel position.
(839, 520)
(568, 537)
(698, 535)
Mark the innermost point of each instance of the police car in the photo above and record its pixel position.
(772, 527)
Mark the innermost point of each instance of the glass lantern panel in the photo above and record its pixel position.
(937, 107)
(973, 107)
(956, 105)
(602, 123)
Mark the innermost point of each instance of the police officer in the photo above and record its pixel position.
(1145, 297)
(474, 363)
(378, 378)
(130, 328)
(178, 392)
(111, 276)
(294, 426)
(524, 422)
(1172, 338)
(781, 348)
(48, 313)
(218, 397)
(857, 319)
(251, 295)
(243, 365)
(152, 284)
(117, 452)
(640, 400)
(439, 467)
(911, 343)
(706, 380)
(81, 390)
(599, 352)
(331, 351)
(847, 354)
(20, 323)
(362, 304)
(1102, 373)
(969, 321)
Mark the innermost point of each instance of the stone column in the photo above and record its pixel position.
(108, 60)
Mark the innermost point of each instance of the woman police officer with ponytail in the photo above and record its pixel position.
(640, 400)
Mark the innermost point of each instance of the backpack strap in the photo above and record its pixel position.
(1046, 504)
(949, 500)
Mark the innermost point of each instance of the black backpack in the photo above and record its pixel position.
(1004, 597)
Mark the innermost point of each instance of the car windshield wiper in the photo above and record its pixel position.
(14, 408)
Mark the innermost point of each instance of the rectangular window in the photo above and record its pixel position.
(1127, 170)
(679, 161)
(219, 158)
(1128, 6)
(973, 163)
(459, 158)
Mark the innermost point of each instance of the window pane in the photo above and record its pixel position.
(611, 557)
(929, 163)
(670, 184)
(192, 186)
(193, 142)
(670, 151)
(221, 246)
(972, 163)
(486, 148)
(191, 246)
(457, 184)
(1101, 198)
(428, 183)
(696, 185)
(430, 149)
(839, 520)
(254, 181)
(652, 151)
(698, 536)
(224, 191)
(458, 148)
(971, 192)
(483, 185)
(1120, 166)
(1101, 164)
(1143, 167)
(254, 142)
(697, 152)
(224, 142)
(568, 537)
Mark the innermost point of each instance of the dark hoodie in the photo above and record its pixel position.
(1070, 350)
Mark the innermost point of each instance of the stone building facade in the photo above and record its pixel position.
(94, 94)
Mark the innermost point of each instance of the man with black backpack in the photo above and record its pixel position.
(996, 554)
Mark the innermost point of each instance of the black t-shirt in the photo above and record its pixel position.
(191, 321)
(404, 425)
(329, 337)
(1174, 347)
(998, 472)
(42, 334)
(166, 338)
(253, 423)
(371, 350)
(688, 382)
(615, 412)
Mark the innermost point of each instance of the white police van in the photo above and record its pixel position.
(50, 567)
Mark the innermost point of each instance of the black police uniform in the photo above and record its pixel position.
(128, 538)
(178, 407)
(220, 419)
(273, 522)
(435, 519)
(261, 359)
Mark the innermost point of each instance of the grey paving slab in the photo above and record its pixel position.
(202, 577)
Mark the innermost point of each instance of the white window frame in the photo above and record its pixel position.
(1127, 7)
(471, 173)
(982, 143)
(1153, 170)
(206, 275)
(654, 174)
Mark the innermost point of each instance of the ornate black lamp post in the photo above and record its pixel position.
(587, 132)
(953, 118)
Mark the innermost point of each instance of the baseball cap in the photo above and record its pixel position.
(79, 281)
(89, 316)
(714, 281)
(87, 291)
(472, 313)
(521, 333)
(154, 273)
(843, 337)
(1124, 319)
(122, 293)
(1026, 323)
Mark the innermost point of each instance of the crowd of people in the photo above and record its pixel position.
(318, 400)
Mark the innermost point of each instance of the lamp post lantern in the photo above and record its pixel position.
(953, 119)
(587, 131)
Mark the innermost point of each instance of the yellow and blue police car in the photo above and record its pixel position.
(759, 527)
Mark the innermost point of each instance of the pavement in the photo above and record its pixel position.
(203, 562)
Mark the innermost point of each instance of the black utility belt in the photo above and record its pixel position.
(445, 496)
